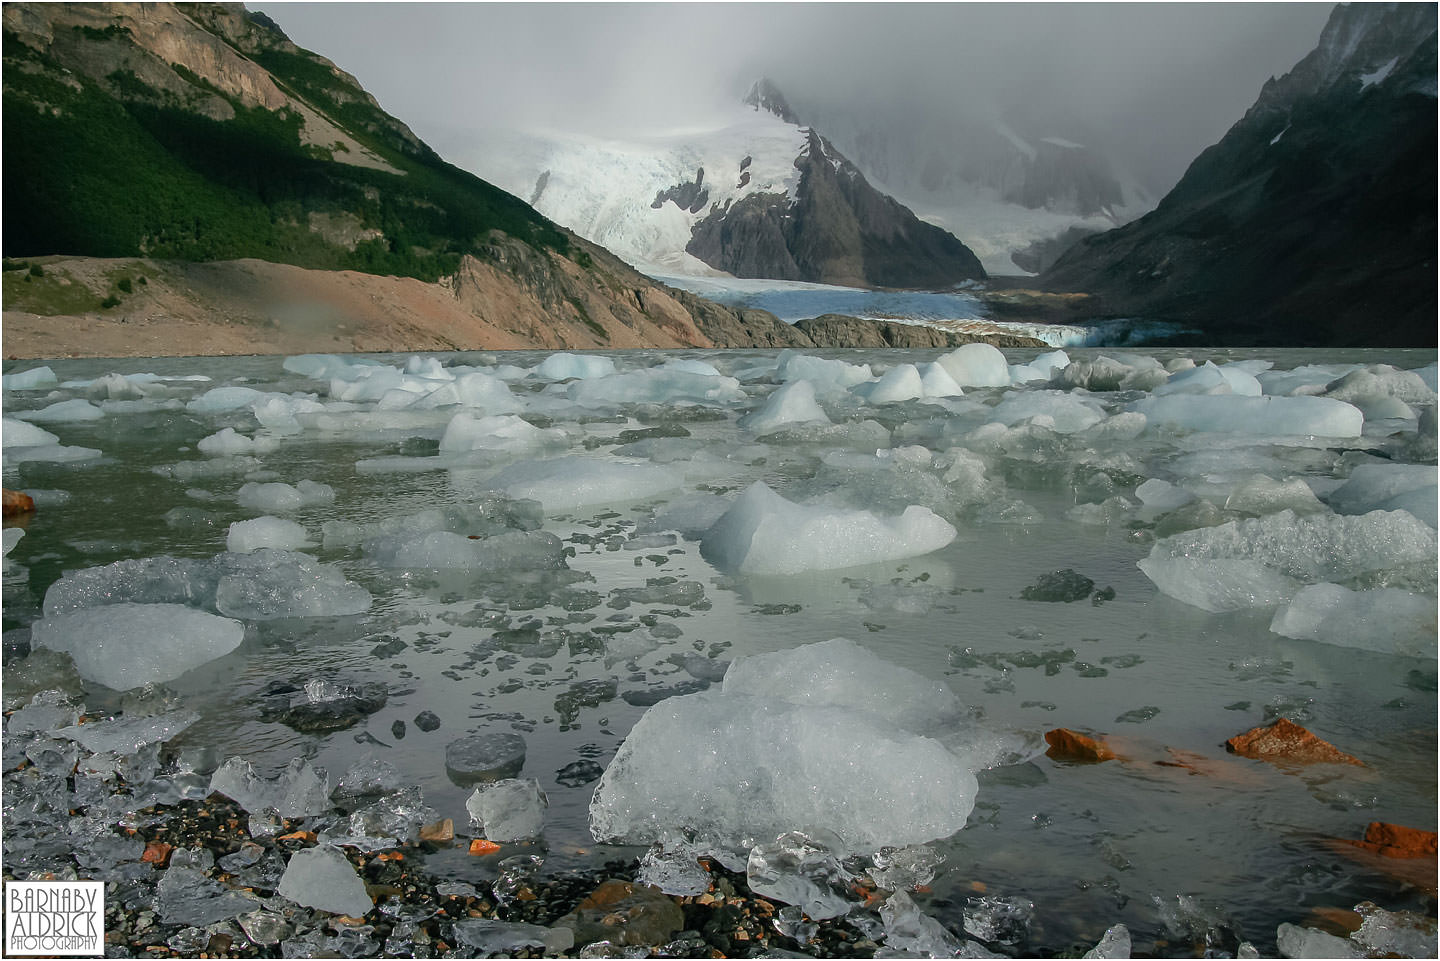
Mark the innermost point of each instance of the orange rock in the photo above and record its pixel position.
(1287, 741)
(17, 502)
(1337, 921)
(308, 836)
(157, 852)
(1067, 745)
(1395, 841)
(481, 846)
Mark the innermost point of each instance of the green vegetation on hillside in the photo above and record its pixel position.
(140, 173)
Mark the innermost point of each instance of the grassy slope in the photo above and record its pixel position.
(143, 175)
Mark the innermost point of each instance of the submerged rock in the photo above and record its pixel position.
(1067, 745)
(625, 913)
(1286, 741)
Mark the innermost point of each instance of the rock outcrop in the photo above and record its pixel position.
(837, 229)
(1313, 221)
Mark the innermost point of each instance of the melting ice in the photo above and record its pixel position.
(779, 599)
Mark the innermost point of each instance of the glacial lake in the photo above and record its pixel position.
(569, 641)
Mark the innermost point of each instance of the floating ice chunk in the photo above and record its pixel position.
(657, 385)
(148, 580)
(472, 389)
(1219, 585)
(512, 809)
(564, 483)
(124, 646)
(227, 442)
(841, 673)
(565, 366)
(1068, 413)
(246, 536)
(30, 379)
(126, 735)
(18, 433)
(298, 791)
(900, 383)
(322, 878)
(736, 767)
(444, 550)
(1211, 379)
(318, 366)
(1316, 547)
(12, 537)
(268, 583)
(900, 869)
(763, 533)
(977, 365)
(1261, 494)
(1110, 373)
(466, 432)
(936, 382)
(278, 497)
(49, 453)
(1409, 487)
(1404, 934)
(828, 377)
(793, 403)
(1160, 496)
(64, 412)
(1265, 416)
(1379, 381)
(219, 399)
(1387, 620)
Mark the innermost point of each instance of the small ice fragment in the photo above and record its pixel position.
(322, 878)
(489, 937)
(64, 412)
(277, 497)
(907, 928)
(184, 895)
(267, 531)
(673, 866)
(901, 869)
(299, 791)
(1114, 944)
(1001, 920)
(11, 537)
(564, 366)
(126, 735)
(796, 869)
(18, 433)
(1294, 941)
(509, 810)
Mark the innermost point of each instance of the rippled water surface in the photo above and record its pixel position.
(1175, 839)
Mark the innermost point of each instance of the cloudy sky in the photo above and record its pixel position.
(1155, 82)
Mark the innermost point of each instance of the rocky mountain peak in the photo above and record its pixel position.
(764, 95)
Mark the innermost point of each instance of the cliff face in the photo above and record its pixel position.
(1312, 222)
(837, 230)
(171, 135)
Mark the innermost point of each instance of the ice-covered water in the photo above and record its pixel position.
(415, 551)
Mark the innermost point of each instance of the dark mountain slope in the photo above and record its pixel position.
(837, 229)
(1312, 222)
